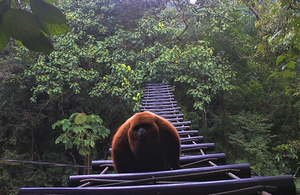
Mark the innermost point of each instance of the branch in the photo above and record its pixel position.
(255, 12)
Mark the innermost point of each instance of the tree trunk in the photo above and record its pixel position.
(32, 143)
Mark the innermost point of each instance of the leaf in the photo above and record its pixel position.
(287, 90)
(4, 6)
(72, 115)
(280, 58)
(291, 64)
(273, 74)
(296, 22)
(261, 48)
(47, 12)
(284, 2)
(4, 37)
(80, 119)
(65, 126)
(69, 144)
(92, 143)
(39, 44)
(20, 24)
(288, 73)
(55, 29)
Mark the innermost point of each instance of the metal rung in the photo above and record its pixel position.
(182, 127)
(162, 109)
(158, 96)
(189, 132)
(166, 112)
(190, 174)
(175, 119)
(160, 103)
(189, 139)
(155, 91)
(158, 106)
(182, 123)
(285, 185)
(157, 100)
(196, 147)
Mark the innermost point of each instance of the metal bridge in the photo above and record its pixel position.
(203, 172)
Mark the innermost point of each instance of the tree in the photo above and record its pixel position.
(83, 131)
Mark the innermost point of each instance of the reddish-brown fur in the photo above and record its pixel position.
(158, 148)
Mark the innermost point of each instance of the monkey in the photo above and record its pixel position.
(146, 142)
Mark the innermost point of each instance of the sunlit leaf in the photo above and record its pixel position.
(80, 119)
(14, 4)
(47, 12)
(39, 44)
(288, 73)
(272, 75)
(280, 58)
(20, 24)
(55, 29)
(24, 2)
(287, 90)
(291, 64)
(261, 48)
(50, 1)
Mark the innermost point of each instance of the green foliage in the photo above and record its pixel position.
(31, 28)
(287, 152)
(117, 60)
(249, 95)
(249, 139)
(81, 130)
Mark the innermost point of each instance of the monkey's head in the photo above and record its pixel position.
(143, 134)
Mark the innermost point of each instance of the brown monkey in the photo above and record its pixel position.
(146, 142)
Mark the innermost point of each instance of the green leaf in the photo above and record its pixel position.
(39, 44)
(4, 6)
(288, 73)
(24, 2)
(55, 29)
(80, 119)
(47, 12)
(69, 144)
(4, 37)
(20, 24)
(59, 139)
(296, 22)
(291, 64)
(273, 74)
(280, 58)
(65, 126)
(49, 1)
(261, 48)
(72, 115)
(92, 143)
(284, 2)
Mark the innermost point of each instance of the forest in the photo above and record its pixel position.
(233, 64)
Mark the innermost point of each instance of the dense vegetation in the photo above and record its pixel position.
(234, 66)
